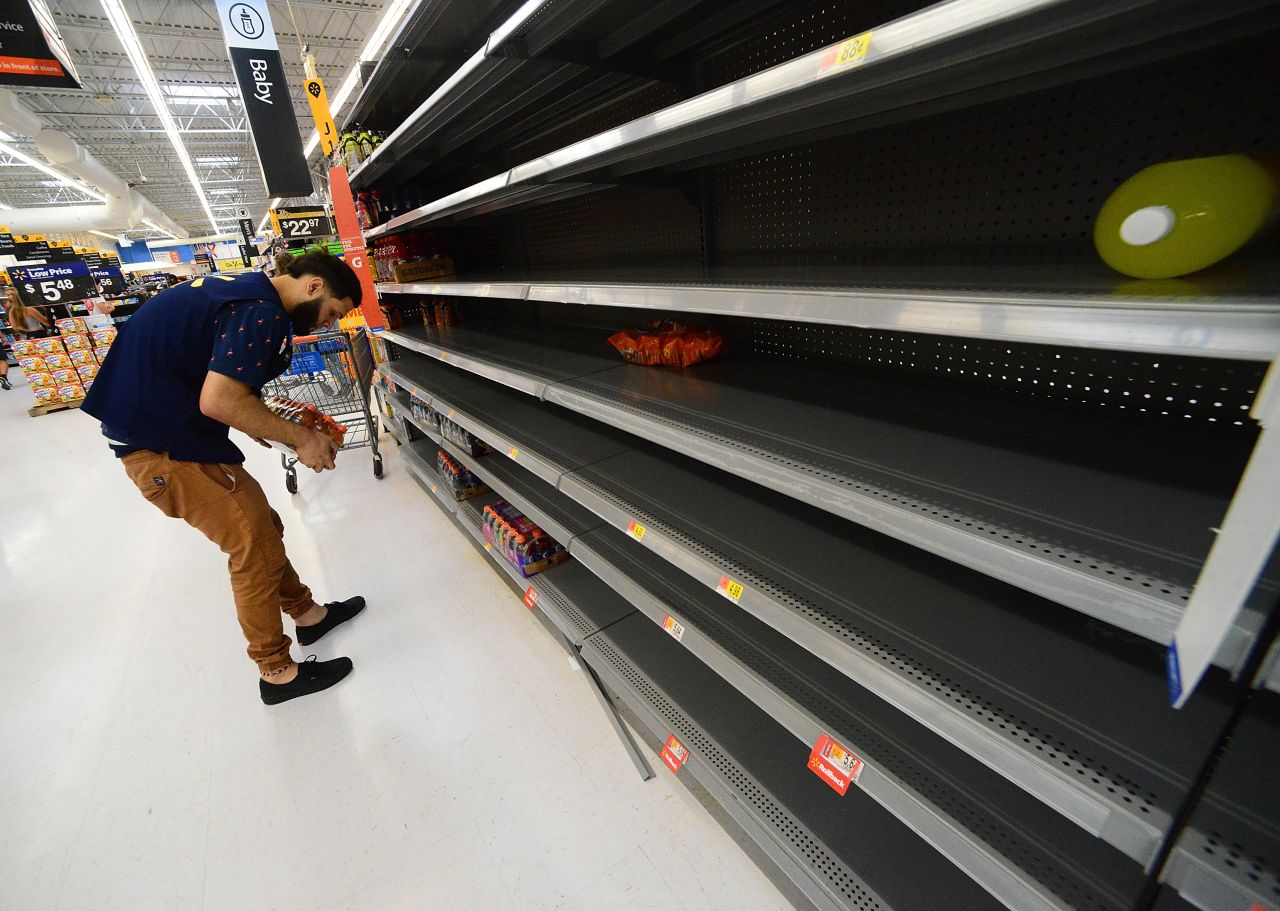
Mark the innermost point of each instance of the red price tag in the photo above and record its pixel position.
(674, 753)
(673, 626)
(834, 764)
(530, 597)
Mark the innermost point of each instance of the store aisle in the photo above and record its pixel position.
(464, 764)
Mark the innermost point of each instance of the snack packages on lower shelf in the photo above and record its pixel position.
(439, 313)
(519, 540)
(307, 415)
(669, 344)
(458, 478)
(423, 413)
(462, 438)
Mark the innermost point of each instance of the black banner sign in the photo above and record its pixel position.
(302, 222)
(111, 281)
(255, 59)
(32, 51)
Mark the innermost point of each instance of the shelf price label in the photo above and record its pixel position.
(673, 627)
(513, 452)
(674, 753)
(730, 589)
(834, 764)
(488, 546)
(530, 597)
(850, 52)
(636, 530)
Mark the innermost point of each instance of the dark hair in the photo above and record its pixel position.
(340, 277)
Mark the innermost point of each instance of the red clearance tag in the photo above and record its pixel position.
(834, 764)
(530, 597)
(674, 753)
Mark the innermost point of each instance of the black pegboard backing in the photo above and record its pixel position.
(492, 245)
(1017, 181)
(792, 31)
(616, 228)
(1180, 390)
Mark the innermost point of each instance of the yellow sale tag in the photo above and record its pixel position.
(488, 546)
(451, 414)
(730, 589)
(444, 355)
(636, 530)
(513, 452)
(845, 54)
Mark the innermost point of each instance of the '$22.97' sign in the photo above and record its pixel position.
(54, 283)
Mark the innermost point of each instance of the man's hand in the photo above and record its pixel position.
(317, 451)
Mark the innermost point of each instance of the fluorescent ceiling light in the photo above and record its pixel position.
(142, 66)
(5, 206)
(44, 168)
(151, 224)
(5, 137)
(218, 159)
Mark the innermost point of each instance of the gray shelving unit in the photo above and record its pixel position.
(1123, 549)
(954, 488)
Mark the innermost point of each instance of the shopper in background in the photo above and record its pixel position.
(24, 321)
(186, 367)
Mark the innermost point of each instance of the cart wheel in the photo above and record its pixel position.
(377, 466)
(291, 481)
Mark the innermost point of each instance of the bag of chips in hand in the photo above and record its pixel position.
(308, 416)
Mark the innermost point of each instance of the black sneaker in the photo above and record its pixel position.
(339, 612)
(4, 382)
(313, 676)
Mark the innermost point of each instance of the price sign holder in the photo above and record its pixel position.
(834, 764)
(53, 284)
(674, 753)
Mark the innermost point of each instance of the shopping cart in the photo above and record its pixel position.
(332, 371)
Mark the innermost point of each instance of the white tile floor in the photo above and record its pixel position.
(464, 764)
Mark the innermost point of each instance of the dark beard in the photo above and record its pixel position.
(305, 315)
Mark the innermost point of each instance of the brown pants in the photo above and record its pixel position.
(228, 506)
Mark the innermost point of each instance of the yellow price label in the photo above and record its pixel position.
(488, 546)
(636, 530)
(513, 452)
(28, 238)
(444, 355)
(847, 53)
(451, 414)
(730, 589)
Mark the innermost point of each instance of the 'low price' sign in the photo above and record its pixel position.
(55, 283)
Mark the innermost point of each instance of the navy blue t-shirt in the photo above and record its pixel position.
(147, 394)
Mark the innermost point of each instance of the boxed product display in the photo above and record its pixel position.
(83, 358)
(64, 375)
(307, 415)
(423, 268)
(462, 438)
(46, 395)
(57, 361)
(87, 373)
(70, 392)
(100, 354)
(520, 542)
(48, 346)
(458, 478)
(76, 342)
(72, 325)
(31, 364)
(103, 337)
(24, 348)
(669, 344)
(40, 380)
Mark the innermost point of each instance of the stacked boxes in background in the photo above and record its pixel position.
(60, 369)
(50, 371)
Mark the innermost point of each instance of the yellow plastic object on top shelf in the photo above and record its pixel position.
(1179, 217)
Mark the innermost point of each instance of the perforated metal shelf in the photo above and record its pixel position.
(1053, 305)
(563, 519)
(846, 853)
(1039, 694)
(1072, 507)
(1229, 857)
(420, 459)
(1014, 846)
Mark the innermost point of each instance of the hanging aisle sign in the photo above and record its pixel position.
(255, 59)
(319, 103)
(32, 51)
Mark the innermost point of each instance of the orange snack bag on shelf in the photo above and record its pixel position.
(669, 344)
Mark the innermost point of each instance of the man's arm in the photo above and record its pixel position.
(233, 403)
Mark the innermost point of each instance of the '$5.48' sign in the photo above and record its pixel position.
(55, 283)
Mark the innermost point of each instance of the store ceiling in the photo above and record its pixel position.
(112, 117)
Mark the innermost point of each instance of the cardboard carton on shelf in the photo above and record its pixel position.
(423, 269)
(40, 380)
(75, 342)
